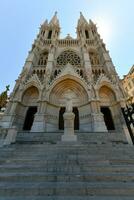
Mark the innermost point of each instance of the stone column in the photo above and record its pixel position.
(49, 66)
(39, 123)
(69, 128)
(87, 64)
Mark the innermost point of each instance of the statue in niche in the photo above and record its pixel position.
(94, 58)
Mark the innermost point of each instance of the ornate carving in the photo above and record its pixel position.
(69, 57)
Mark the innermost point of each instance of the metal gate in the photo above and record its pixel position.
(128, 113)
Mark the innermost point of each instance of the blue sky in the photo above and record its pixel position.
(20, 21)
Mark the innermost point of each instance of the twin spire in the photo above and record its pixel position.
(55, 21)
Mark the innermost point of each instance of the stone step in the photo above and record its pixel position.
(11, 167)
(71, 177)
(57, 165)
(84, 137)
(59, 162)
(89, 197)
(117, 153)
(66, 171)
(67, 189)
(72, 145)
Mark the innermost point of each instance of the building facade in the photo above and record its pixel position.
(128, 84)
(55, 67)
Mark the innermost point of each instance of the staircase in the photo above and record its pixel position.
(50, 170)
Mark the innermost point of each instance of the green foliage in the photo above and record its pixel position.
(4, 97)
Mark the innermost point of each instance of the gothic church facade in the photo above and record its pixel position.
(55, 67)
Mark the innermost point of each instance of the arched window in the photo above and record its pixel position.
(81, 73)
(86, 34)
(69, 57)
(49, 35)
(55, 73)
(43, 59)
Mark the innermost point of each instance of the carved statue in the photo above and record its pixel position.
(69, 103)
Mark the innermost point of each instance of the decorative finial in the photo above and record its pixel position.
(56, 12)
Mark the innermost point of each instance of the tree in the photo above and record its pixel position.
(4, 97)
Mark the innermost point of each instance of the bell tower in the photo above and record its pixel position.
(85, 29)
(50, 30)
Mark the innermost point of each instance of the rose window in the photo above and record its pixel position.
(69, 57)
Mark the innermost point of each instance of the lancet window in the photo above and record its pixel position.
(43, 59)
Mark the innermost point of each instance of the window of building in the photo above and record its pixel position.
(49, 34)
(43, 59)
(87, 34)
(69, 57)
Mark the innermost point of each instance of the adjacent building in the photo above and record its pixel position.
(128, 84)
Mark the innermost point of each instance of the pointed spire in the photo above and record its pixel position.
(45, 23)
(82, 20)
(54, 20)
(91, 22)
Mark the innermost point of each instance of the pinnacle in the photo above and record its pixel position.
(54, 20)
(82, 20)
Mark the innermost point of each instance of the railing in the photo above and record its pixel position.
(61, 42)
(68, 42)
(47, 42)
(90, 42)
(98, 68)
(39, 69)
(128, 113)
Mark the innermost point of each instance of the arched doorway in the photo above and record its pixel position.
(76, 119)
(61, 90)
(108, 118)
(29, 101)
(29, 118)
(107, 99)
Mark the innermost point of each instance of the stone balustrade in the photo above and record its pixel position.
(39, 69)
(98, 69)
(90, 42)
(67, 42)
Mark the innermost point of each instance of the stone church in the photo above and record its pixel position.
(80, 67)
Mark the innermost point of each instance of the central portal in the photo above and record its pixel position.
(61, 119)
